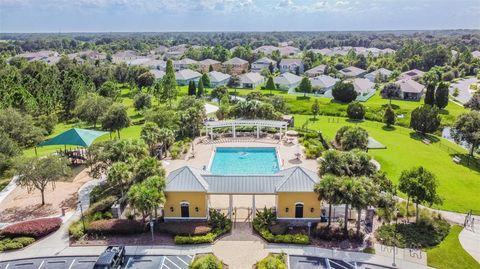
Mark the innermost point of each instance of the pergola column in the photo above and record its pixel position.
(258, 131)
(230, 205)
(234, 131)
(254, 210)
(211, 133)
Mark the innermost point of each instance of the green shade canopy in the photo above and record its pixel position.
(74, 136)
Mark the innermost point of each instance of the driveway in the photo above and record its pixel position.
(464, 93)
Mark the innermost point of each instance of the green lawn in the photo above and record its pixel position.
(458, 185)
(450, 254)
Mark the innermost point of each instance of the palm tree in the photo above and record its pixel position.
(147, 196)
(119, 175)
(327, 191)
(365, 193)
(166, 137)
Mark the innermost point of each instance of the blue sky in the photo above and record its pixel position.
(235, 15)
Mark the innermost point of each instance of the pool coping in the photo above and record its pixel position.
(277, 155)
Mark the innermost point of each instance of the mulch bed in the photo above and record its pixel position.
(136, 239)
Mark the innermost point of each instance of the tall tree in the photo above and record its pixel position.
(201, 89)
(315, 109)
(390, 90)
(421, 186)
(441, 95)
(474, 102)
(91, 107)
(344, 92)
(115, 118)
(192, 90)
(270, 85)
(150, 134)
(169, 90)
(119, 175)
(38, 172)
(389, 116)
(467, 129)
(206, 80)
(147, 196)
(328, 190)
(430, 95)
(351, 137)
(425, 119)
(305, 86)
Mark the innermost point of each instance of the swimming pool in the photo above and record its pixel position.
(244, 161)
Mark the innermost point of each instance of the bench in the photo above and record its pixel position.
(426, 141)
(456, 159)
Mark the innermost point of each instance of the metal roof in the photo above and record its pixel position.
(188, 179)
(264, 123)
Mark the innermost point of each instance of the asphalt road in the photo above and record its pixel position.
(132, 262)
(307, 262)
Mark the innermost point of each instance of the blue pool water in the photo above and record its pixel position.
(244, 161)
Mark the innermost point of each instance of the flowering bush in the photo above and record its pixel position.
(32, 228)
(115, 226)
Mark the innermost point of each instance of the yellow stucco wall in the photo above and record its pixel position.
(195, 199)
(289, 199)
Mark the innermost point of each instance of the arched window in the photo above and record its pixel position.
(185, 209)
(299, 210)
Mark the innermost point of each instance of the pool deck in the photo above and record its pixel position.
(203, 154)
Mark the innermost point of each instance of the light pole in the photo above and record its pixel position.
(81, 212)
(395, 236)
(151, 228)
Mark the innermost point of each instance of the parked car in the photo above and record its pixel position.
(112, 258)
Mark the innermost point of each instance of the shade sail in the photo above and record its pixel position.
(74, 136)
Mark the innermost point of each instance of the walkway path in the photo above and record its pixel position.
(470, 240)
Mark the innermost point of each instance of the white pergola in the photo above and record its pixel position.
(210, 125)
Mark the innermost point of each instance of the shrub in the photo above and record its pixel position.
(218, 221)
(199, 239)
(313, 148)
(283, 238)
(101, 206)
(184, 228)
(16, 243)
(356, 111)
(32, 228)
(335, 234)
(10, 246)
(76, 229)
(115, 226)
(175, 151)
(344, 92)
(272, 261)
(25, 241)
(207, 262)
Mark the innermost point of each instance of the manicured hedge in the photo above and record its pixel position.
(115, 226)
(101, 206)
(301, 239)
(184, 228)
(272, 261)
(208, 261)
(32, 228)
(16, 243)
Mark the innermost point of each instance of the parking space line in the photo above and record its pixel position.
(163, 262)
(6, 267)
(70, 267)
(166, 266)
(328, 263)
(178, 257)
(173, 263)
(41, 264)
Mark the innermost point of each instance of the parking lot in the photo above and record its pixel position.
(131, 262)
(307, 262)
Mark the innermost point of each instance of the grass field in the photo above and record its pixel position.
(458, 184)
(450, 254)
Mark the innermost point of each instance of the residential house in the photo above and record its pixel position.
(412, 74)
(289, 51)
(363, 86)
(291, 65)
(138, 61)
(184, 64)
(251, 80)
(353, 72)
(158, 74)
(176, 52)
(156, 64)
(323, 83)
(235, 66)
(218, 78)
(159, 50)
(380, 75)
(204, 65)
(316, 71)
(287, 81)
(188, 189)
(324, 51)
(388, 51)
(125, 56)
(263, 63)
(47, 56)
(410, 89)
(267, 50)
(184, 76)
(476, 54)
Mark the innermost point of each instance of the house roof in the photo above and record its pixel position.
(352, 71)
(414, 73)
(323, 81)
(251, 78)
(268, 49)
(291, 62)
(157, 73)
(381, 71)
(218, 76)
(189, 179)
(187, 74)
(317, 69)
(208, 62)
(362, 85)
(410, 85)
(235, 61)
(265, 60)
(287, 79)
(476, 54)
(287, 50)
(186, 61)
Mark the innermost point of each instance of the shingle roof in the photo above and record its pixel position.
(157, 73)
(265, 60)
(186, 61)
(187, 74)
(362, 85)
(414, 73)
(410, 85)
(251, 78)
(352, 71)
(188, 179)
(235, 61)
(291, 61)
(208, 62)
(317, 69)
(323, 81)
(218, 76)
(382, 71)
(287, 79)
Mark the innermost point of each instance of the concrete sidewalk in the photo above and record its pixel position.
(470, 241)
